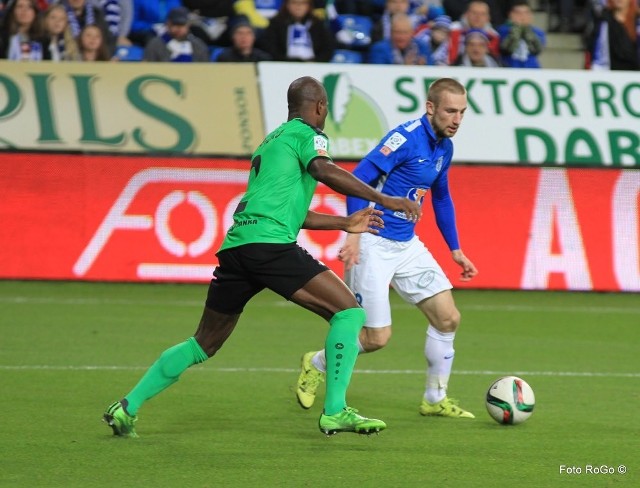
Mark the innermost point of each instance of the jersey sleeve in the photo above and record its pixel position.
(391, 151)
(444, 209)
(313, 145)
(368, 173)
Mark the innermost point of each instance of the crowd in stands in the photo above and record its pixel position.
(482, 33)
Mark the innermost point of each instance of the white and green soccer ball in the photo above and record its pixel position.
(510, 400)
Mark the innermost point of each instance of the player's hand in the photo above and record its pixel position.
(350, 251)
(410, 208)
(468, 268)
(364, 220)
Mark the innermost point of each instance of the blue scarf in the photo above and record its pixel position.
(74, 23)
(112, 14)
(179, 51)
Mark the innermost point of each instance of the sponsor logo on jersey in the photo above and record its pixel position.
(417, 194)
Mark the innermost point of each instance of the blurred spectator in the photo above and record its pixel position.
(59, 43)
(260, 12)
(426, 10)
(118, 15)
(498, 9)
(211, 19)
(242, 49)
(92, 44)
(476, 16)
(41, 5)
(614, 43)
(437, 37)
(520, 41)
(382, 28)
(476, 51)
(296, 34)
(21, 32)
(177, 44)
(81, 13)
(401, 48)
(148, 19)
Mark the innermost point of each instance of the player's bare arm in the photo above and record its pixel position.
(364, 220)
(343, 182)
(349, 253)
(468, 268)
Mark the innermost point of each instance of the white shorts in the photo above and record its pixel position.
(408, 266)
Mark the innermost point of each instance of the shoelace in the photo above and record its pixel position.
(313, 380)
(351, 412)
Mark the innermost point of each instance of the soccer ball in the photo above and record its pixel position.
(510, 400)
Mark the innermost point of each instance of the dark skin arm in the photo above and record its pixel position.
(341, 181)
(364, 220)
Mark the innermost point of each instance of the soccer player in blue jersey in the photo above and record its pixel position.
(413, 159)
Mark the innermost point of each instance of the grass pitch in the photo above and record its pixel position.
(67, 350)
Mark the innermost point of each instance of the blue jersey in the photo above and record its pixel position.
(409, 162)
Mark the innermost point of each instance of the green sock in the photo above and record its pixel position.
(165, 372)
(341, 351)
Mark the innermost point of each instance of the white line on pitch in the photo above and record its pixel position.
(18, 300)
(43, 367)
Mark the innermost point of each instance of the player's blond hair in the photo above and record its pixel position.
(442, 85)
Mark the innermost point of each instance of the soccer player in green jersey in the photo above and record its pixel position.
(260, 251)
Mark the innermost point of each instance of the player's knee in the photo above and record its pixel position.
(374, 339)
(450, 322)
(375, 343)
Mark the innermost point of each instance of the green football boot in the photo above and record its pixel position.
(447, 407)
(348, 420)
(120, 421)
(308, 381)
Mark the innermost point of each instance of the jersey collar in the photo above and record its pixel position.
(428, 129)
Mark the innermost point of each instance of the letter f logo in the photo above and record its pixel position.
(419, 194)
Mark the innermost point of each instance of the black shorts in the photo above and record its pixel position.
(246, 270)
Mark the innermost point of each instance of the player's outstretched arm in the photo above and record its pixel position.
(365, 220)
(468, 268)
(343, 182)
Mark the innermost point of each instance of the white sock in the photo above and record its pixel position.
(319, 360)
(438, 349)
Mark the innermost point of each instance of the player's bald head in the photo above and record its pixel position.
(304, 90)
(307, 99)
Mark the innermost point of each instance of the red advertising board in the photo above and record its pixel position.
(162, 219)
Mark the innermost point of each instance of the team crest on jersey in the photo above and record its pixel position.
(439, 163)
(320, 145)
(394, 141)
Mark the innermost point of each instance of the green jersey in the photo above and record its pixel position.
(280, 187)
